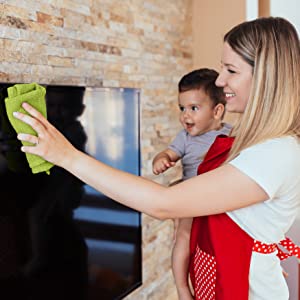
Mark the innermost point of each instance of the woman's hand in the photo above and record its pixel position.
(50, 144)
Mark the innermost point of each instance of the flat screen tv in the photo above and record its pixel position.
(60, 238)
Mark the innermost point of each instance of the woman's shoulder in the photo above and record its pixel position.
(283, 150)
(285, 143)
(273, 164)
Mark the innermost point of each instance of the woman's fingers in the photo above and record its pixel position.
(35, 113)
(37, 121)
(31, 139)
(28, 138)
(35, 124)
(50, 144)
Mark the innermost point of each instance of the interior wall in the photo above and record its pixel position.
(210, 21)
(288, 9)
(264, 8)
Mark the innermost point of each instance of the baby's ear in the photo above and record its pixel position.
(219, 110)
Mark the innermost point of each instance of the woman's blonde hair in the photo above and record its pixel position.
(271, 46)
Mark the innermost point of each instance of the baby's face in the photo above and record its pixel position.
(197, 113)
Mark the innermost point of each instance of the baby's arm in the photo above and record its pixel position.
(180, 259)
(164, 160)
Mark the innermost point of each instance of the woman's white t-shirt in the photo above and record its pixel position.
(275, 166)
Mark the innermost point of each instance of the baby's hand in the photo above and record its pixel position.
(161, 165)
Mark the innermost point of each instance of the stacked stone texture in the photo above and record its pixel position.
(111, 43)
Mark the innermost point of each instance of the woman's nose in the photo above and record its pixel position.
(220, 81)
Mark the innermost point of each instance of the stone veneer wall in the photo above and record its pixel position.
(110, 43)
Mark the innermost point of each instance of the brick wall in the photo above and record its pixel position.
(110, 43)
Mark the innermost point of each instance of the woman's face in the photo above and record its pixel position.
(235, 77)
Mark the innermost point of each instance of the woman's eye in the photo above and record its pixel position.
(231, 71)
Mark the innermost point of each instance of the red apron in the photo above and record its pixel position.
(220, 250)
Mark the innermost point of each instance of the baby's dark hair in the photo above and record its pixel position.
(203, 78)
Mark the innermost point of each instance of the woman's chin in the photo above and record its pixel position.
(231, 108)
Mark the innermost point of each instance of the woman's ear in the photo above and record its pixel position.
(219, 110)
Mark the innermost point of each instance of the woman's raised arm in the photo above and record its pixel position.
(223, 189)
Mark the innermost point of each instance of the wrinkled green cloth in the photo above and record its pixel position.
(33, 94)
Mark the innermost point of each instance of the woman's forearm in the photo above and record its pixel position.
(133, 191)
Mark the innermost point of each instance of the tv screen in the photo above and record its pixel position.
(60, 238)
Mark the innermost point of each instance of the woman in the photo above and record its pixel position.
(255, 192)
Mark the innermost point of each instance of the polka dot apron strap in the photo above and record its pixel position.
(291, 249)
(286, 248)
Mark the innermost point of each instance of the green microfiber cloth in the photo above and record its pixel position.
(33, 94)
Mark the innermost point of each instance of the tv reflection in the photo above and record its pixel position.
(45, 252)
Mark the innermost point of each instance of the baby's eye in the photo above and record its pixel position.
(181, 108)
(195, 108)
